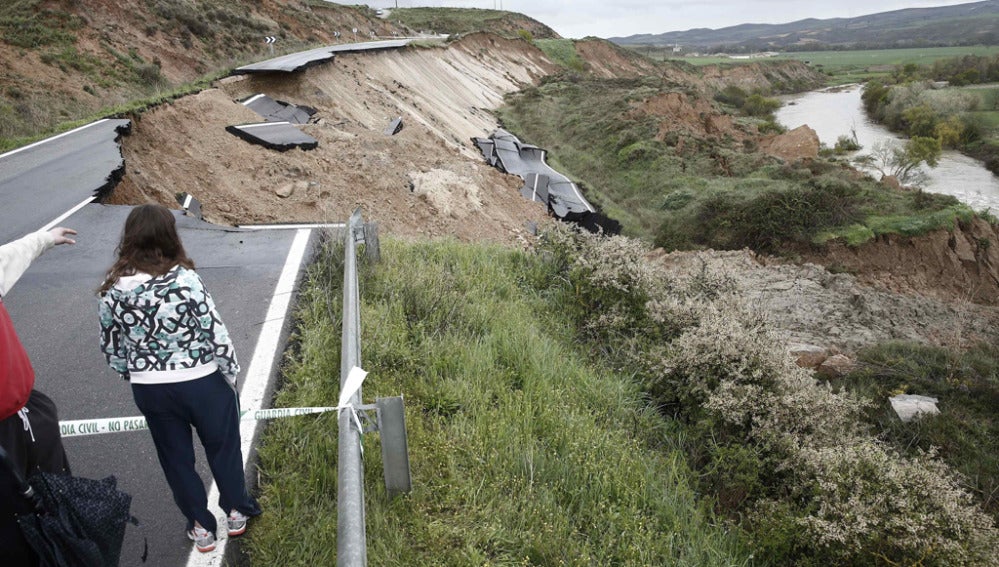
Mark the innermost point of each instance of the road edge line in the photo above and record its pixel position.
(56, 137)
(255, 382)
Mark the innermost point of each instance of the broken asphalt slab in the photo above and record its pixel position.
(542, 183)
(277, 110)
(280, 136)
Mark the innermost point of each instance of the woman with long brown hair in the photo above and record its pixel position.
(160, 330)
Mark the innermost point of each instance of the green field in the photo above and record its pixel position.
(845, 66)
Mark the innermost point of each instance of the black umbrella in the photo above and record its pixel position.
(78, 522)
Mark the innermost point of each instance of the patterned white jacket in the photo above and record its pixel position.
(164, 329)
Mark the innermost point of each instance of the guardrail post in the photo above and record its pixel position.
(395, 446)
(352, 547)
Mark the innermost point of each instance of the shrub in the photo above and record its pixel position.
(758, 105)
(732, 95)
(846, 144)
(792, 457)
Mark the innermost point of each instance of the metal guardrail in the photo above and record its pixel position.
(352, 547)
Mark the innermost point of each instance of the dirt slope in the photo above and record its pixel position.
(425, 181)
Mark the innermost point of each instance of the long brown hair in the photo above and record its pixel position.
(149, 243)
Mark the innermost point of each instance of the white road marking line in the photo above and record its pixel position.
(292, 226)
(255, 382)
(248, 101)
(67, 214)
(39, 142)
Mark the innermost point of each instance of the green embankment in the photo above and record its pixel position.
(521, 452)
(686, 190)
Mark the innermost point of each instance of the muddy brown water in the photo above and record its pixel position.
(833, 113)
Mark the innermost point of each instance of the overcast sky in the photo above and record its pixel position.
(621, 18)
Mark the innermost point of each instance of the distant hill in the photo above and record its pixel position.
(468, 20)
(964, 24)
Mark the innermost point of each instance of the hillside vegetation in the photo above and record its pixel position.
(565, 406)
(674, 177)
(522, 452)
(964, 24)
(470, 20)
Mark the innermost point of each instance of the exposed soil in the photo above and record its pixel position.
(840, 312)
(429, 180)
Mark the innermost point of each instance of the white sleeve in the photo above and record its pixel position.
(16, 256)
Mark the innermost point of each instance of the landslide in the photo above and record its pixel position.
(65, 60)
(425, 181)
(70, 57)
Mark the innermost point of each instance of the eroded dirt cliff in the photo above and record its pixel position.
(429, 181)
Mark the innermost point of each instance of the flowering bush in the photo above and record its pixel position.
(776, 448)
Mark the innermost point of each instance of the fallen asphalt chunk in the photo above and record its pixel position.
(394, 127)
(278, 111)
(191, 206)
(280, 136)
(542, 183)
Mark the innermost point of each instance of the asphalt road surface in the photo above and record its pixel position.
(54, 308)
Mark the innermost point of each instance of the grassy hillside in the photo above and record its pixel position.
(682, 188)
(576, 407)
(468, 20)
(964, 24)
(66, 62)
(522, 452)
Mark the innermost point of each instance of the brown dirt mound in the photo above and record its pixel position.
(962, 264)
(428, 180)
(609, 61)
(694, 116)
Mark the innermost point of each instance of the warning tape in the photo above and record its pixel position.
(80, 427)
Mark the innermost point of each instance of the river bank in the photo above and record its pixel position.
(839, 112)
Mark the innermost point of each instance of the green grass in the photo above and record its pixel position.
(562, 52)
(682, 189)
(521, 453)
(843, 66)
(987, 114)
(465, 20)
(124, 110)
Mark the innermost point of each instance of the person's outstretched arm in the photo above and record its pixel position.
(16, 256)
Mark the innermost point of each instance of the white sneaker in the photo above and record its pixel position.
(203, 539)
(237, 523)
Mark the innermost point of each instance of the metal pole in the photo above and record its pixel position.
(351, 540)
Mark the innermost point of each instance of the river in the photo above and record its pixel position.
(832, 113)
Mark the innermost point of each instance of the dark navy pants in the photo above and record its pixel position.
(211, 406)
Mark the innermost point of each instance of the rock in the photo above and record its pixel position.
(891, 182)
(836, 366)
(285, 190)
(909, 407)
(800, 143)
(808, 356)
